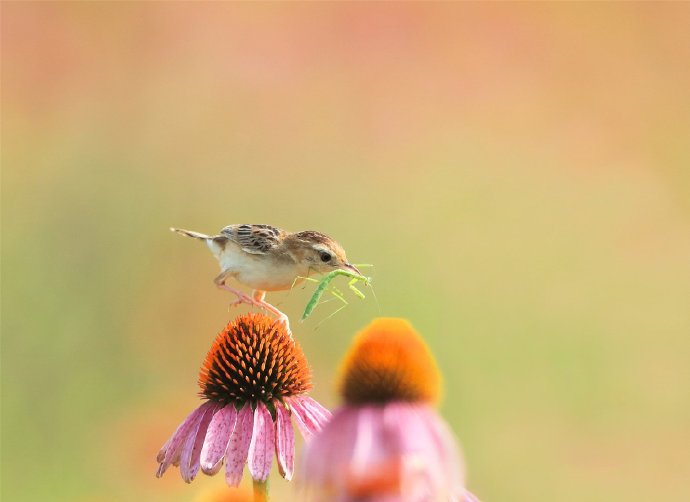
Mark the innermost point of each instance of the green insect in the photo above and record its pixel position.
(323, 285)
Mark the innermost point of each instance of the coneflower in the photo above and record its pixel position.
(254, 381)
(387, 442)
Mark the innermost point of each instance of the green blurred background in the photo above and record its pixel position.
(518, 173)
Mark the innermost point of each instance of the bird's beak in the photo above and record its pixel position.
(350, 266)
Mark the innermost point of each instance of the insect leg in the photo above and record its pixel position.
(339, 296)
(356, 291)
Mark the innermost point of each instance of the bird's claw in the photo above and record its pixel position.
(283, 319)
(244, 299)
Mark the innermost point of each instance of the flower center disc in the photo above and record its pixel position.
(389, 361)
(254, 359)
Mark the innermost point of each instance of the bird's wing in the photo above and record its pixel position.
(255, 239)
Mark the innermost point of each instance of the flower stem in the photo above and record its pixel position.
(260, 490)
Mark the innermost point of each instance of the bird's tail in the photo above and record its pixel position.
(190, 233)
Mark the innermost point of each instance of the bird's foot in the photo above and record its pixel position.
(283, 319)
(244, 299)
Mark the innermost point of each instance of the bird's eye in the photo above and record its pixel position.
(325, 257)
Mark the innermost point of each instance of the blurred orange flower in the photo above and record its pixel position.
(387, 442)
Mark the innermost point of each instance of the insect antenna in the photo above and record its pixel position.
(376, 298)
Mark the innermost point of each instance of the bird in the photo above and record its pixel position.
(267, 258)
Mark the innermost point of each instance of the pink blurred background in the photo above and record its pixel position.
(517, 172)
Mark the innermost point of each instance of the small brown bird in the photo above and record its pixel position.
(267, 258)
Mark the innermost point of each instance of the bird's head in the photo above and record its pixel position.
(320, 253)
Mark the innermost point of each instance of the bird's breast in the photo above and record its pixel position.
(260, 271)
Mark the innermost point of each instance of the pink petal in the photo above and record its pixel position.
(310, 416)
(373, 470)
(238, 446)
(415, 446)
(192, 432)
(171, 450)
(395, 447)
(432, 462)
(328, 455)
(448, 450)
(322, 414)
(217, 437)
(189, 459)
(372, 448)
(470, 497)
(262, 445)
(285, 442)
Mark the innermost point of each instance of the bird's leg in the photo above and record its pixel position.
(258, 298)
(242, 297)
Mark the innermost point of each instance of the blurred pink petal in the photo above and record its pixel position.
(262, 445)
(381, 452)
(450, 458)
(332, 449)
(470, 497)
(370, 443)
(431, 461)
(285, 443)
(217, 437)
(238, 447)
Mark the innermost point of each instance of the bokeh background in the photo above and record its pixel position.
(518, 173)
